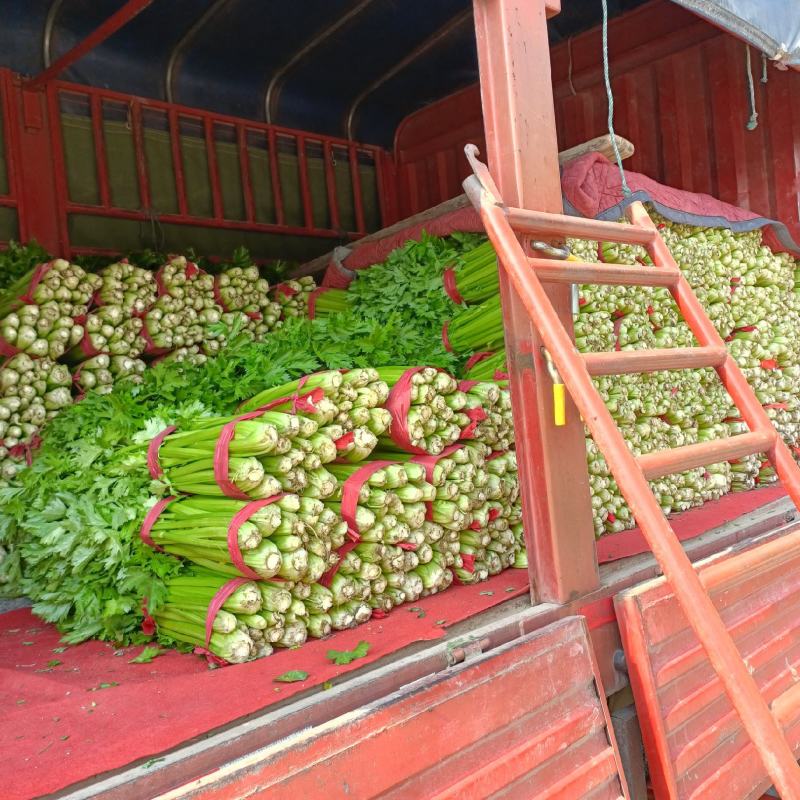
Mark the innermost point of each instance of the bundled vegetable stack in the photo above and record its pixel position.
(38, 312)
(293, 296)
(128, 287)
(185, 306)
(32, 391)
(242, 289)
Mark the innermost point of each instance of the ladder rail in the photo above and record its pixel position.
(729, 372)
(700, 611)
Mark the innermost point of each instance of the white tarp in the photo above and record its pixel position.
(773, 26)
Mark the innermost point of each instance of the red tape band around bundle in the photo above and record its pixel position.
(445, 339)
(312, 300)
(38, 273)
(476, 416)
(349, 505)
(150, 520)
(780, 406)
(429, 463)
(152, 452)
(465, 386)
(25, 449)
(218, 295)
(8, 350)
(407, 546)
(229, 489)
(398, 404)
(499, 375)
(617, 327)
(469, 562)
(451, 287)
(148, 623)
(217, 601)
(238, 519)
(151, 349)
(769, 363)
(343, 442)
(476, 358)
(285, 290)
(495, 454)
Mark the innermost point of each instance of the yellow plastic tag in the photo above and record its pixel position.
(559, 405)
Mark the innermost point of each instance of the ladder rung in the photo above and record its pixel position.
(554, 271)
(540, 223)
(679, 459)
(786, 706)
(626, 361)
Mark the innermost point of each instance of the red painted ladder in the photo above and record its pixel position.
(503, 225)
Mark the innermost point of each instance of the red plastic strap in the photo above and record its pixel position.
(451, 287)
(285, 290)
(617, 326)
(407, 545)
(476, 416)
(429, 463)
(148, 623)
(218, 295)
(350, 491)
(229, 489)
(469, 562)
(465, 386)
(343, 442)
(769, 363)
(445, 339)
(312, 300)
(25, 449)
(238, 519)
(780, 406)
(379, 613)
(476, 358)
(150, 348)
(746, 329)
(398, 404)
(152, 452)
(8, 350)
(217, 601)
(38, 273)
(495, 454)
(150, 520)
(499, 375)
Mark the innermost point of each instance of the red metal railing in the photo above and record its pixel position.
(8, 117)
(245, 136)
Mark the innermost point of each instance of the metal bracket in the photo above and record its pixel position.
(465, 650)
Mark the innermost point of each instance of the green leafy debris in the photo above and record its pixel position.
(292, 676)
(340, 657)
(147, 655)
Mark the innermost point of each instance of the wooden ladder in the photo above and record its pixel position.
(504, 225)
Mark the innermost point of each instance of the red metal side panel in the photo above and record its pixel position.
(695, 743)
(680, 95)
(528, 720)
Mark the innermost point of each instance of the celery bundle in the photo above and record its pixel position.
(292, 296)
(475, 277)
(329, 301)
(130, 287)
(476, 328)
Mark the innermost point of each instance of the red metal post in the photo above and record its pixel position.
(305, 186)
(330, 185)
(275, 175)
(177, 160)
(358, 198)
(121, 17)
(244, 168)
(98, 135)
(517, 99)
(213, 169)
(137, 129)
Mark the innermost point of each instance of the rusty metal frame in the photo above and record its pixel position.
(516, 94)
(110, 26)
(418, 51)
(272, 92)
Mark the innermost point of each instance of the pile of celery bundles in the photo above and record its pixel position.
(304, 514)
(753, 297)
(103, 326)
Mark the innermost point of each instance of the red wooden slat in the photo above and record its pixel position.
(526, 720)
(695, 742)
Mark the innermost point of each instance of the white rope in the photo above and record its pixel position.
(610, 95)
(752, 123)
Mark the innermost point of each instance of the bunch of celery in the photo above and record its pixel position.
(331, 301)
(477, 327)
(109, 329)
(476, 277)
(40, 330)
(130, 287)
(487, 369)
(492, 399)
(292, 296)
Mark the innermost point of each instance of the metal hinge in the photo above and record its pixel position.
(464, 650)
